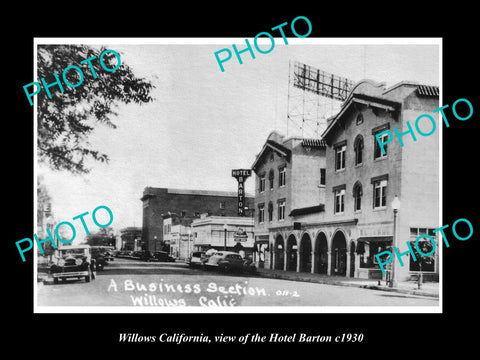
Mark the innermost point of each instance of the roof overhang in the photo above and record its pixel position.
(307, 210)
(278, 148)
(365, 100)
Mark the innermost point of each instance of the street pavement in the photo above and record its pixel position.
(126, 282)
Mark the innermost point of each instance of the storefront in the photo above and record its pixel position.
(366, 249)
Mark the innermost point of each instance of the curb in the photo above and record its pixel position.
(350, 284)
(403, 291)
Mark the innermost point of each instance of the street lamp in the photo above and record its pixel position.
(395, 206)
(225, 240)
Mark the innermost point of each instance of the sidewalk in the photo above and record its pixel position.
(408, 287)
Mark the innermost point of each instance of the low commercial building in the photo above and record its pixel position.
(177, 235)
(158, 202)
(231, 233)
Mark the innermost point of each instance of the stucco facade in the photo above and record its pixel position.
(353, 218)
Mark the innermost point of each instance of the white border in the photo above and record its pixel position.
(242, 309)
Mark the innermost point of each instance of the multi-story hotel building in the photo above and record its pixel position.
(290, 180)
(337, 200)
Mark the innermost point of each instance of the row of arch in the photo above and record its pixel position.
(301, 256)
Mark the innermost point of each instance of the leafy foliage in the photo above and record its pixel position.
(67, 119)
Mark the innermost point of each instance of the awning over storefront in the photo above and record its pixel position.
(372, 239)
(378, 243)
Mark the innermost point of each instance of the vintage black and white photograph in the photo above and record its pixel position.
(223, 175)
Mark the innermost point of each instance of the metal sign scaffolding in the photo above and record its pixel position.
(313, 96)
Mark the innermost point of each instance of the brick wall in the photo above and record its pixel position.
(159, 201)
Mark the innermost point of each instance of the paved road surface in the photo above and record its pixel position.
(135, 283)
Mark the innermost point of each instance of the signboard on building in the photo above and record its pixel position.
(240, 235)
(241, 175)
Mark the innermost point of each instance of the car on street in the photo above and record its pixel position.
(229, 261)
(136, 255)
(197, 259)
(73, 262)
(98, 253)
(163, 256)
(147, 256)
(122, 254)
(109, 253)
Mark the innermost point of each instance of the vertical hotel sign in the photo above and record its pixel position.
(241, 175)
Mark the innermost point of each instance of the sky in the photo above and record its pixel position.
(203, 122)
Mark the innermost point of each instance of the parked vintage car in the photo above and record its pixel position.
(229, 261)
(73, 262)
(197, 259)
(109, 253)
(98, 253)
(146, 255)
(163, 256)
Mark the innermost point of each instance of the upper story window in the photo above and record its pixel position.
(271, 178)
(380, 194)
(357, 196)
(270, 211)
(282, 178)
(377, 152)
(358, 148)
(340, 151)
(359, 119)
(261, 213)
(281, 209)
(323, 179)
(261, 185)
(339, 201)
(222, 205)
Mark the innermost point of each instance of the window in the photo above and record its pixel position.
(270, 211)
(322, 176)
(357, 196)
(222, 205)
(281, 209)
(340, 157)
(378, 151)
(282, 179)
(359, 119)
(262, 183)
(271, 179)
(358, 148)
(423, 263)
(380, 194)
(339, 201)
(261, 213)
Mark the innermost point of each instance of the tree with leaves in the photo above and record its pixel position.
(67, 118)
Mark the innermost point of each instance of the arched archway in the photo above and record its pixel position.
(321, 258)
(279, 248)
(292, 253)
(306, 253)
(339, 254)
